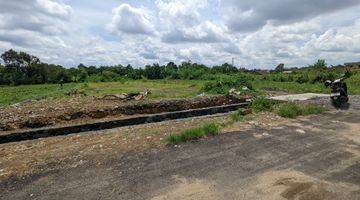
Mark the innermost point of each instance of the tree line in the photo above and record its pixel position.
(22, 68)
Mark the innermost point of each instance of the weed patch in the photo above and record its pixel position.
(194, 133)
(222, 85)
(263, 104)
(237, 115)
(292, 110)
(211, 129)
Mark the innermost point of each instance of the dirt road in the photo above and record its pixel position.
(311, 158)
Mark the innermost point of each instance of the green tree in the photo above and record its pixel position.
(225, 68)
(320, 64)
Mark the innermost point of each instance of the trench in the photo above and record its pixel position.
(103, 125)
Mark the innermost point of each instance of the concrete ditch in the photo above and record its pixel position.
(58, 131)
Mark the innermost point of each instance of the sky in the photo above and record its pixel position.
(256, 33)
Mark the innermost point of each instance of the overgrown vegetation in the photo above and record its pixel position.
(292, 110)
(194, 133)
(160, 89)
(263, 104)
(24, 69)
(223, 84)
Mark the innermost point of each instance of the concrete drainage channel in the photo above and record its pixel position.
(58, 131)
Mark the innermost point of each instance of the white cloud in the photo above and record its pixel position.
(130, 20)
(206, 32)
(43, 16)
(244, 16)
(180, 13)
(256, 33)
(55, 8)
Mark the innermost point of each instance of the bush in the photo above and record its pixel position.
(292, 110)
(262, 104)
(224, 84)
(302, 78)
(194, 133)
(320, 64)
(321, 77)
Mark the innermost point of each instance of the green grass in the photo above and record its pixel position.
(353, 84)
(238, 115)
(292, 87)
(194, 133)
(160, 89)
(262, 104)
(292, 110)
(12, 94)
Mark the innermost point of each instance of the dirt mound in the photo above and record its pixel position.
(294, 185)
(46, 113)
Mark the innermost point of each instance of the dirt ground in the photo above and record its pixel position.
(48, 154)
(267, 157)
(62, 112)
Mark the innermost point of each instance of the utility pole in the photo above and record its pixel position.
(232, 61)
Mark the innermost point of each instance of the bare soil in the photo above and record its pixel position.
(49, 154)
(90, 109)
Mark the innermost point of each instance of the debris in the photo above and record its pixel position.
(76, 92)
(245, 88)
(233, 92)
(201, 95)
(127, 96)
(300, 131)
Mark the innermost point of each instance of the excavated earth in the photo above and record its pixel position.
(90, 109)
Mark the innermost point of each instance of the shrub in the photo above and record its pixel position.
(302, 78)
(292, 110)
(262, 104)
(321, 77)
(224, 84)
(194, 133)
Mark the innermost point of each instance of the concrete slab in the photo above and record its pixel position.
(299, 97)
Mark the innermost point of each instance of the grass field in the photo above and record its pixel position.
(353, 84)
(160, 89)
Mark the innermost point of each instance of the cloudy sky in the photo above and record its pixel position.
(255, 33)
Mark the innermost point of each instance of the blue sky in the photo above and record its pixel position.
(257, 33)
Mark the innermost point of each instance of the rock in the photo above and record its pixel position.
(300, 131)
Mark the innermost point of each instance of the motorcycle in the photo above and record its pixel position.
(339, 93)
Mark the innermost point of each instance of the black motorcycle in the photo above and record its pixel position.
(339, 93)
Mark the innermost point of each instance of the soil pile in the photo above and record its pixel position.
(49, 113)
